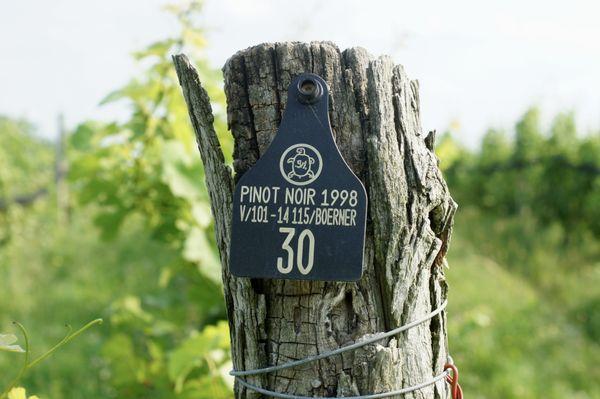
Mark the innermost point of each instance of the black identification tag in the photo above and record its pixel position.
(300, 212)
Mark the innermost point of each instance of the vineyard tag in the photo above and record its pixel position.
(300, 212)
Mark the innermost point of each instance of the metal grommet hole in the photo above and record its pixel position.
(308, 87)
(309, 91)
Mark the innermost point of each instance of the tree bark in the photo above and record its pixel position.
(375, 116)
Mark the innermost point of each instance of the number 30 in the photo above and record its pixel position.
(304, 269)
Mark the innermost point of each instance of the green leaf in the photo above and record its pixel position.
(110, 222)
(7, 341)
(82, 138)
(134, 91)
(113, 96)
(198, 249)
(20, 393)
(127, 367)
(202, 350)
(202, 214)
(182, 173)
(159, 49)
(206, 387)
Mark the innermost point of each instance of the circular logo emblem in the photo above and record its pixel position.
(301, 164)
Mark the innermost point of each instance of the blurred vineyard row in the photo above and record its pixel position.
(525, 259)
(117, 225)
(553, 175)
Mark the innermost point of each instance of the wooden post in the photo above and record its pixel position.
(376, 121)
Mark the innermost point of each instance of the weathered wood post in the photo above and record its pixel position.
(374, 112)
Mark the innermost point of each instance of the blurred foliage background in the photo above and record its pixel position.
(114, 221)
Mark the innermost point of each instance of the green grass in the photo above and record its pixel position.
(52, 276)
(508, 335)
(513, 333)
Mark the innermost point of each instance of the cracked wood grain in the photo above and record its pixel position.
(375, 116)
